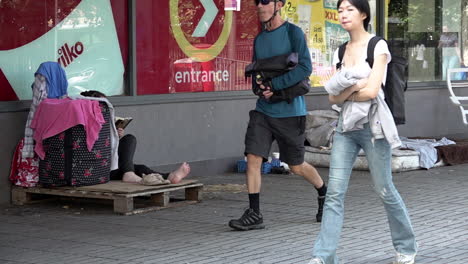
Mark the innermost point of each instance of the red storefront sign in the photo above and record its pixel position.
(173, 56)
(182, 45)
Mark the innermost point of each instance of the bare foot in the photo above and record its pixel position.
(131, 177)
(182, 172)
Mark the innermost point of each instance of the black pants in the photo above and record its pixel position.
(126, 151)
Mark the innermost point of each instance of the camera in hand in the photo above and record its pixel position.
(262, 71)
(266, 82)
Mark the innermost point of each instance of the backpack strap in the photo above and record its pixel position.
(341, 51)
(290, 36)
(370, 49)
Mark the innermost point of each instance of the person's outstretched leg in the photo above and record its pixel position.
(311, 175)
(403, 237)
(290, 135)
(343, 156)
(258, 139)
(126, 151)
(252, 218)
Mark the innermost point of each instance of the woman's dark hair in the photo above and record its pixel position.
(362, 6)
(92, 93)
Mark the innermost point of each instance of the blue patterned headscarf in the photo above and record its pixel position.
(57, 83)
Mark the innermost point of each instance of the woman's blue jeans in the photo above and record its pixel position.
(346, 147)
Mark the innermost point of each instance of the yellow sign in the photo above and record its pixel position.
(310, 16)
(191, 51)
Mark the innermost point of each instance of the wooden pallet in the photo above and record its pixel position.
(121, 193)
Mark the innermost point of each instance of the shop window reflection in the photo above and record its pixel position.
(88, 38)
(186, 53)
(430, 35)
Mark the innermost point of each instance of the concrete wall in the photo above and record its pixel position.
(10, 133)
(210, 134)
(194, 131)
(430, 113)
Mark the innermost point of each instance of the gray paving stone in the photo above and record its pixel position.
(198, 234)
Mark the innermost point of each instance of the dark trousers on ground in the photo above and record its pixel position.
(126, 151)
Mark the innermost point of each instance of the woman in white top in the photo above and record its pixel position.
(354, 16)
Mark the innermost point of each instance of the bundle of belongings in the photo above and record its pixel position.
(68, 140)
(263, 70)
(320, 128)
(432, 151)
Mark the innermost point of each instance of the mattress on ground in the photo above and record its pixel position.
(402, 160)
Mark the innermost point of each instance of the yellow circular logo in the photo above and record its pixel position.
(192, 52)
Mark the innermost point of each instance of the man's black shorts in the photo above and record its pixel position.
(288, 132)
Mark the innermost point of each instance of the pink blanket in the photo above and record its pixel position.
(54, 116)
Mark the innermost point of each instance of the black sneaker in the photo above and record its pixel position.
(248, 221)
(321, 202)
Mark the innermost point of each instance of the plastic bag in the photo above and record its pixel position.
(24, 171)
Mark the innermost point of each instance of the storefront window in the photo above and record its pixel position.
(430, 35)
(203, 46)
(88, 38)
(194, 46)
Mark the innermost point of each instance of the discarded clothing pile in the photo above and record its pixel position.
(426, 148)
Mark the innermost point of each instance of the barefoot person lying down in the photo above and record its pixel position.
(138, 173)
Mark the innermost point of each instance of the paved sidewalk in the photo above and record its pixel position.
(71, 232)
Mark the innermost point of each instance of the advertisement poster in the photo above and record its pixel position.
(84, 42)
(335, 35)
(319, 22)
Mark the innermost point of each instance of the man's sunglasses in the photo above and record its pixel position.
(264, 2)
